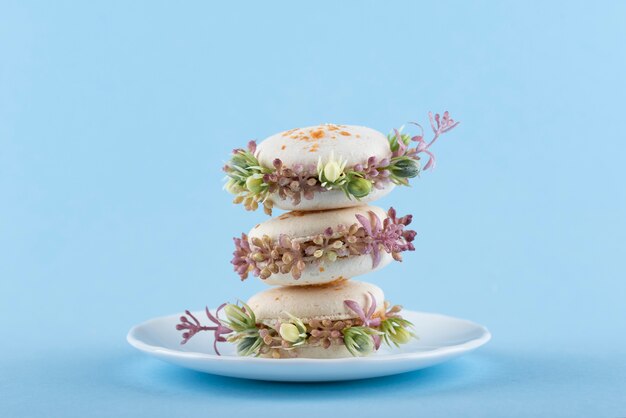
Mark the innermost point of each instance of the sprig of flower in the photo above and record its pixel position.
(389, 236)
(405, 160)
(252, 183)
(361, 335)
(193, 326)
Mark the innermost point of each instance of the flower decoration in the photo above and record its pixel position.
(263, 257)
(294, 331)
(193, 326)
(326, 332)
(360, 340)
(396, 330)
(367, 318)
(361, 335)
(242, 321)
(389, 236)
(331, 174)
(253, 184)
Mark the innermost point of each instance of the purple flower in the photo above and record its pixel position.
(444, 124)
(194, 326)
(389, 235)
(241, 257)
(439, 124)
(366, 317)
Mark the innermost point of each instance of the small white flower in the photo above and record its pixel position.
(289, 332)
(332, 171)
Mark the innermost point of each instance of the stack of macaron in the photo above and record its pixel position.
(325, 176)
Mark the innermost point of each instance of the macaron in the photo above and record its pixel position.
(323, 313)
(341, 319)
(327, 166)
(316, 247)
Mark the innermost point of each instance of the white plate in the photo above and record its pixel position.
(441, 338)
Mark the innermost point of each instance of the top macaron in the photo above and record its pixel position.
(328, 166)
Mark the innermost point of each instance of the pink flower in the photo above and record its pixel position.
(366, 317)
(389, 236)
(241, 257)
(439, 124)
(194, 326)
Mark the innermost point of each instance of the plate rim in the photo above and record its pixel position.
(470, 345)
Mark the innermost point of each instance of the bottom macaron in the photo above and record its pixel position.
(340, 319)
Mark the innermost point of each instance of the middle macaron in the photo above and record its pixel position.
(305, 248)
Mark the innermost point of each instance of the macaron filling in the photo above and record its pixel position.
(253, 184)
(264, 256)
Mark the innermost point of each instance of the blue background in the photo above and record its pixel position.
(115, 120)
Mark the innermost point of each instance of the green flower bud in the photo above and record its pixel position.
(358, 340)
(294, 331)
(255, 183)
(236, 316)
(402, 336)
(405, 168)
(233, 187)
(289, 332)
(396, 330)
(359, 187)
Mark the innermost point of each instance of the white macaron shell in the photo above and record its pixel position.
(304, 225)
(314, 302)
(305, 146)
(318, 352)
(325, 272)
(330, 199)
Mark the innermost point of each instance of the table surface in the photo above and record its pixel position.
(115, 119)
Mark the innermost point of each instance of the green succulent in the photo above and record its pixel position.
(239, 318)
(393, 141)
(357, 186)
(246, 177)
(242, 321)
(396, 331)
(403, 168)
(359, 341)
(248, 345)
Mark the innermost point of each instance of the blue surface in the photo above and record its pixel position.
(115, 119)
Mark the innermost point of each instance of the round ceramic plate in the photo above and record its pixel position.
(441, 338)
